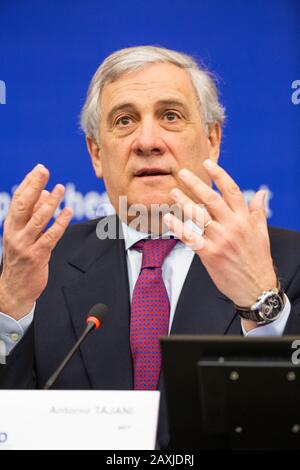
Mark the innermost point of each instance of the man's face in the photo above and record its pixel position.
(151, 127)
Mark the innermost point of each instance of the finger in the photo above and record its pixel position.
(26, 181)
(20, 188)
(43, 215)
(196, 212)
(227, 186)
(43, 198)
(184, 233)
(51, 237)
(257, 210)
(199, 215)
(27, 195)
(257, 203)
(213, 202)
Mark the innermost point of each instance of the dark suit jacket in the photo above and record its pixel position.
(84, 271)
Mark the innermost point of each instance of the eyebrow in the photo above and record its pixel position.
(172, 102)
(117, 108)
(130, 106)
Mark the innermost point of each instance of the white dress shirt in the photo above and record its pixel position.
(174, 271)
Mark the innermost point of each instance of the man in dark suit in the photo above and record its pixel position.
(153, 126)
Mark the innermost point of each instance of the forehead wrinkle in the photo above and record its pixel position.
(141, 84)
(175, 96)
(144, 82)
(133, 88)
(130, 90)
(152, 75)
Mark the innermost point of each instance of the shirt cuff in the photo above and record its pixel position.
(12, 331)
(275, 328)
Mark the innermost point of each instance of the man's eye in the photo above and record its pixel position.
(124, 121)
(170, 116)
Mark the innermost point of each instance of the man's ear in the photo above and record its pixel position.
(214, 135)
(95, 154)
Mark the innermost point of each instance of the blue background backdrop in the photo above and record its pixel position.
(49, 51)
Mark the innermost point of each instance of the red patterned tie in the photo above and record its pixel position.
(150, 313)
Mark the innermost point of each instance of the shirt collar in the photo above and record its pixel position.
(132, 236)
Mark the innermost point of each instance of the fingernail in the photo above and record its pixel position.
(184, 174)
(58, 189)
(40, 171)
(175, 193)
(209, 164)
(39, 166)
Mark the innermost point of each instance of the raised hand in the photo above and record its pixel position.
(27, 247)
(235, 246)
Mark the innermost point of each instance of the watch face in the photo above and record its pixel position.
(271, 307)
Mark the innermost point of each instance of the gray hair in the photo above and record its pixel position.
(135, 58)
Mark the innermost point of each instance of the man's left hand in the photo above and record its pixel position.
(234, 247)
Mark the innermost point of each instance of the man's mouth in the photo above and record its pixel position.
(145, 172)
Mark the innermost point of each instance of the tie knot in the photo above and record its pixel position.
(154, 251)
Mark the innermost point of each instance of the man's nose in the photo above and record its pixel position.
(148, 140)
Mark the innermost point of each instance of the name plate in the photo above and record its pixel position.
(87, 420)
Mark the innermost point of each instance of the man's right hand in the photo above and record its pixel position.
(26, 247)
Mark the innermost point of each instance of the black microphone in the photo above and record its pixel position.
(94, 321)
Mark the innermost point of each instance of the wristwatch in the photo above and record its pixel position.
(266, 309)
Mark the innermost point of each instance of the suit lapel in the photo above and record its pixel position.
(103, 278)
(201, 308)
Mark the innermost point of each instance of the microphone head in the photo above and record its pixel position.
(96, 315)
